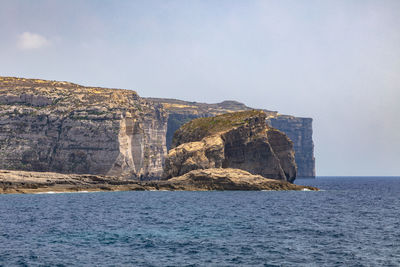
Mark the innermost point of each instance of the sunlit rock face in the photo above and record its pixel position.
(68, 128)
(239, 140)
(65, 127)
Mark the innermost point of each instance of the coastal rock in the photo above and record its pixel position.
(67, 128)
(12, 182)
(240, 140)
(299, 130)
(36, 182)
(204, 154)
(229, 179)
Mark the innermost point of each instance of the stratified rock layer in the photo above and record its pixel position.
(65, 127)
(299, 130)
(68, 128)
(240, 140)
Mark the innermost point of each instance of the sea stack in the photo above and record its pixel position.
(238, 140)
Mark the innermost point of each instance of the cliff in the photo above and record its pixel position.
(239, 140)
(68, 128)
(299, 130)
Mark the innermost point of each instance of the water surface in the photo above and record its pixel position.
(353, 222)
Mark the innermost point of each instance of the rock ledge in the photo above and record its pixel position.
(12, 182)
(230, 179)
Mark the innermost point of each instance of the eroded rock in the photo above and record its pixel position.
(12, 182)
(240, 140)
(299, 130)
(67, 128)
(229, 179)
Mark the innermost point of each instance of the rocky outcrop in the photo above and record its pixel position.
(12, 182)
(240, 140)
(68, 128)
(299, 130)
(229, 179)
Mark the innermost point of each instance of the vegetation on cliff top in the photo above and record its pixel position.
(201, 127)
(38, 92)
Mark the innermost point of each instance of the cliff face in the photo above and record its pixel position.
(299, 130)
(240, 140)
(68, 128)
(65, 127)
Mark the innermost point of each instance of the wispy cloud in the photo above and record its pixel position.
(30, 41)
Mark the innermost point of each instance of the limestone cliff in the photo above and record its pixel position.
(299, 130)
(65, 127)
(240, 140)
(68, 128)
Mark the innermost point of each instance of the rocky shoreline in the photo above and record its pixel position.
(23, 182)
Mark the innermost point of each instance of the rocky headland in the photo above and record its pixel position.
(298, 129)
(240, 140)
(67, 137)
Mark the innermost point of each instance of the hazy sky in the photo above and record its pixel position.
(335, 61)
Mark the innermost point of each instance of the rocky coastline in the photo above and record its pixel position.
(64, 137)
(23, 182)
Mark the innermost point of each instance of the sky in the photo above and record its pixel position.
(336, 61)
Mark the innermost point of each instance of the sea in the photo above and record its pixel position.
(352, 221)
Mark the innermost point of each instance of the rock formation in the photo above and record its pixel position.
(12, 182)
(229, 179)
(299, 130)
(240, 140)
(68, 128)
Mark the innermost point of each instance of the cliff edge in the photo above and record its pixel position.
(68, 128)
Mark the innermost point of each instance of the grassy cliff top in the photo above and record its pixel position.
(197, 129)
(203, 109)
(62, 93)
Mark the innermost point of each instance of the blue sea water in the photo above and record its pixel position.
(355, 221)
